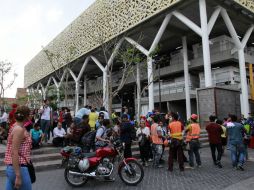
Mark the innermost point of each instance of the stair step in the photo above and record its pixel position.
(42, 150)
(39, 166)
(41, 157)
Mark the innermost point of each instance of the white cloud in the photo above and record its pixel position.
(27, 25)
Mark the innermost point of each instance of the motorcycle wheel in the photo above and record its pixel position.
(136, 175)
(74, 180)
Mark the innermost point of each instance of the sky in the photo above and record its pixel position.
(27, 25)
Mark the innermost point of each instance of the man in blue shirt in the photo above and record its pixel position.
(80, 113)
(235, 139)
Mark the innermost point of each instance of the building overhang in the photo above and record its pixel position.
(147, 22)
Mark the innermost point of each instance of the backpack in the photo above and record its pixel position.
(88, 139)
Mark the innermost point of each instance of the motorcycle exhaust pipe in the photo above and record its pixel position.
(83, 174)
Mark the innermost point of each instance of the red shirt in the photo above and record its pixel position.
(214, 133)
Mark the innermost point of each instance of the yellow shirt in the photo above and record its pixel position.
(92, 119)
(223, 135)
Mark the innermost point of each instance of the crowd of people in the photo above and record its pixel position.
(91, 129)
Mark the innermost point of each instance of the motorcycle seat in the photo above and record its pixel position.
(89, 155)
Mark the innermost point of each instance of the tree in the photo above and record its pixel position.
(57, 62)
(5, 72)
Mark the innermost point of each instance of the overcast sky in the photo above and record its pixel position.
(27, 25)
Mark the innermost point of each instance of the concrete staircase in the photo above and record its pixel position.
(48, 157)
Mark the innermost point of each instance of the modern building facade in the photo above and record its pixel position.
(206, 43)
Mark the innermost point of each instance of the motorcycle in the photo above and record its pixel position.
(80, 167)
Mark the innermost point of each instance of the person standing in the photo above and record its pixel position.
(143, 134)
(125, 135)
(223, 135)
(18, 153)
(46, 119)
(176, 128)
(93, 116)
(235, 132)
(4, 119)
(157, 141)
(214, 135)
(193, 134)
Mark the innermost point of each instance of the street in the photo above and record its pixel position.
(207, 177)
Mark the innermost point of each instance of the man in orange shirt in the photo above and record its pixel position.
(193, 134)
(157, 141)
(176, 128)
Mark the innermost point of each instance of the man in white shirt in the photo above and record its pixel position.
(46, 119)
(4, 118)
(59, 135)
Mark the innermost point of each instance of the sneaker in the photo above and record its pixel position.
(240, 168)
(219, 165)
(159, 166)
(150, 160)
(189, 167)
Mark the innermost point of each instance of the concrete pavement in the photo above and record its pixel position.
(207, 177)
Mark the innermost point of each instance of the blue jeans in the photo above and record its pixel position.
(25, 179)
(237, 154)
(45, 124)
(194, 150)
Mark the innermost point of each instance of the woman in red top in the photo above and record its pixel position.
(18, 152)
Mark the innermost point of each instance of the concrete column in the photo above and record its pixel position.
(138, 92)
(244, 87)
(77, 96)
(186, 78)
(205, 43)
(85, 94)
(251, 80)
(105, 89)
(150, 83)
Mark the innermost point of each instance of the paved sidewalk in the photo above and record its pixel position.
(208, 177)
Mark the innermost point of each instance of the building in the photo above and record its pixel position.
(206, 43)
(20, 99)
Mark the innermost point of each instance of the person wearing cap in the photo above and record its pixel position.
(176, 128)
(193, 134)
(215, 131)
